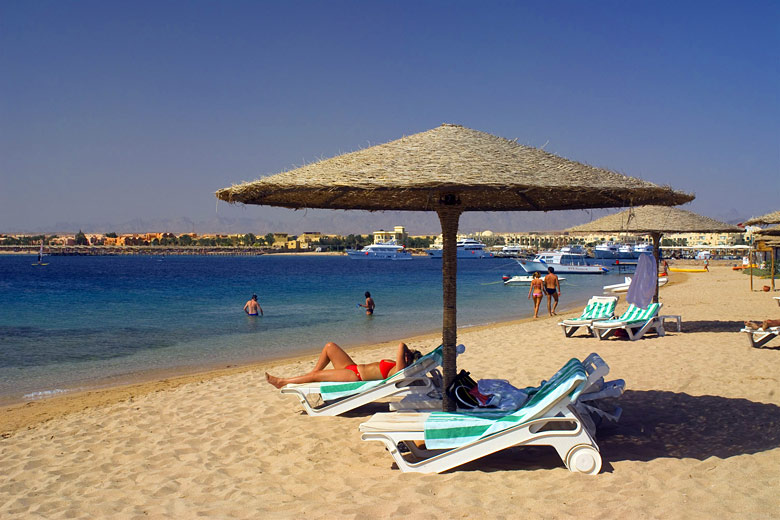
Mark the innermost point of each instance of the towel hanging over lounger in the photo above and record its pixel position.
(642, 288)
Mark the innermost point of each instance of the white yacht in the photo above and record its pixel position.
(512, 251)
(574, 249)
(606, 250)
(626, 252)
(382, 251)
(643, 248)
(561, 262)
(523, 280)
(467, 248)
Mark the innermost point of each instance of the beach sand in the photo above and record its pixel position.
(699, 436)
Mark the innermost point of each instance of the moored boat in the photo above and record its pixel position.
(524, 280)
(561, 262)
(467, 248)
(382, 251)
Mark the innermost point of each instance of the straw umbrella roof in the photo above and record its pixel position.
(654, 219)
(774, 231)
(450, 169)
(487, 173)
(769, 218)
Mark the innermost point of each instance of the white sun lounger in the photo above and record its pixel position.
(598, 308)
(758, 338)
(452, 439)
(337, 398)
(635, 321)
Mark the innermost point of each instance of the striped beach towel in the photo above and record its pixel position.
(596, 310)
(330, 391)
(633, 314)
(444, 430)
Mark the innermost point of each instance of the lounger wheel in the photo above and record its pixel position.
(583, 459)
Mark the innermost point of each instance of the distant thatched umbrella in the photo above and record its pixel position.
(772, 232)
(654, 221)
(769, 218)
(449, 170)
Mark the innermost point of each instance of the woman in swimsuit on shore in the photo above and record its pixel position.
(346, 370)
(537, 291)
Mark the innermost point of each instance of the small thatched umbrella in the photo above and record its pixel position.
(655, 221)
(769, 218)
(450, 169)
(771, 238)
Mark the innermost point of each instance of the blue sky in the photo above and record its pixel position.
(115, 111)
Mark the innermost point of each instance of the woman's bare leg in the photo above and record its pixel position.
(332, 353)
(319, 376)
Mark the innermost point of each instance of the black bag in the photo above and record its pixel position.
(465, 392)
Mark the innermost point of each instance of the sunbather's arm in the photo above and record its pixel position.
(401, 359)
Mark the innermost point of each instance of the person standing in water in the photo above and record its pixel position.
(537, 291)
(369, 305)
(252, 307)
(553, 288)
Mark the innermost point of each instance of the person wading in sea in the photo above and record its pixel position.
(369, 305)
(251, 307)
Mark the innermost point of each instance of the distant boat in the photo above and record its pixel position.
(524, 280)
(384, 251)
(607, 250)
(40, 256)
(467, 248)
(561, 262)
(623, 287)
(573, 249)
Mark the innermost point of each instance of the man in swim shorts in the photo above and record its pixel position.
(553, 288)
(251, 307)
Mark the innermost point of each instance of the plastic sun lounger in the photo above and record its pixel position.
(635, 321)
(758, 338)
(338, 398)
(452, 439)
(598, 308)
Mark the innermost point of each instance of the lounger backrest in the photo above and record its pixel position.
(448, 430)
(426, 363)
(634, 313)
(599, 309)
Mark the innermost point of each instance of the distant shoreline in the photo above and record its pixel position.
(163, 250)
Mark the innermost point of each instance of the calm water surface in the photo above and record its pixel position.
(82, 319)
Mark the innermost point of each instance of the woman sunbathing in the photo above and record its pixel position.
(762, 326)
(346, 370)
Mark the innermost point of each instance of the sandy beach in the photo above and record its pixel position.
(699, 436)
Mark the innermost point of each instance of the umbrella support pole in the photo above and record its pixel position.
(657, 255)
(449, 216)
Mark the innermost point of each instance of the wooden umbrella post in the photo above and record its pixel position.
(657, 254)
(449, 215)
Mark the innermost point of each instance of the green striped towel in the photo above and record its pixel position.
(445, 430)
(330, 391)
(597, 310)
(634, 314)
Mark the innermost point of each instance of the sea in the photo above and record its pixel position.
(82, 322)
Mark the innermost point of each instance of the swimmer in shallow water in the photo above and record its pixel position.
(252, 307)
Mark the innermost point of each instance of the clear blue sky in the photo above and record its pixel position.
(112, 111)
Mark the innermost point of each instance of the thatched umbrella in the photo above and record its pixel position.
(450, 169)
(769, 218)
(655, 221)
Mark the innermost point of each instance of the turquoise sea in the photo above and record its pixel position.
(80, 322)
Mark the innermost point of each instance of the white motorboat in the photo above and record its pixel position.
(561, 262)
(606, 250)
(524, 280)
(383, 251)
(643, 248)
(626, 252)
(467, 248)
(512, 251)
(623, 287)
(574, 249)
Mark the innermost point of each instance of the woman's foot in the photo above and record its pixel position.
(278, 383)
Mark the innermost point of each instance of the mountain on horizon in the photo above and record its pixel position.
(269, 220)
